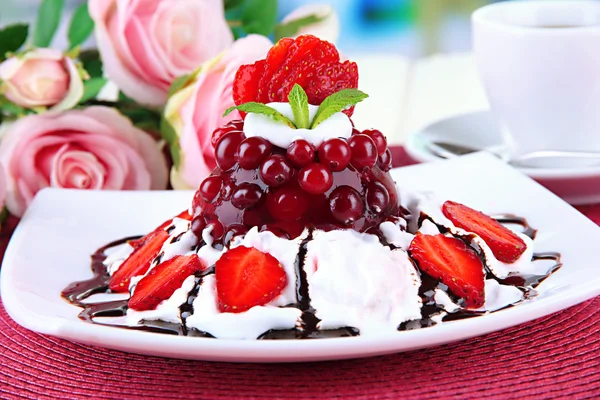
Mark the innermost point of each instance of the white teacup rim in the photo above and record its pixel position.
(495, 14)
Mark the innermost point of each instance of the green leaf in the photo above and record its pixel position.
(91, 63)
(259, 108)
(91, 88)
(12, 37)
(4, 215)
(143, 118)
(337, 102)
(48, 19)
(81, 26)
(178, 83)
(260, 16)
(229, 4)
(10, 110)
(123, 98)
(299, 102)
(290, 29)
(168, 133)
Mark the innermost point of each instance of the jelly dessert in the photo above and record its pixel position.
(301, 232)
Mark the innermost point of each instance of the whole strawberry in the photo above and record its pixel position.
(308, 61)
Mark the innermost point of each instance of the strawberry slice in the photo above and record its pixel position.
(454, 263)
(138, 261)
(163, 281)
(275, 58)
(504, 243)
(245, 84)
(247, 277)
(138, 242)
(145, 250)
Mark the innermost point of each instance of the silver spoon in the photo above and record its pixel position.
(534, 159)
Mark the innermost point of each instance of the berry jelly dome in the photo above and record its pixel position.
(342, 184)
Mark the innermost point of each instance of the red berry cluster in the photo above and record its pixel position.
(342, 184)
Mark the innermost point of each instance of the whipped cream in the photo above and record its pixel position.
(208, 254)
(281, 135)
(355, 281)
(246, 325)
(396, 235)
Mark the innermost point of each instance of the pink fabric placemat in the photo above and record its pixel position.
(553, 357)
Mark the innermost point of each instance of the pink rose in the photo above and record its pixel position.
(196, 110)
(2, 186)
(146, 44)
(92, 148)
(41, 78)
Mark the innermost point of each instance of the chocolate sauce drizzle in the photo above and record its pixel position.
(431, 313)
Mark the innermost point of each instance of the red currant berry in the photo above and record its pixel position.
(226, 150)
(315, 178)
(364, 152)
(246, 195)
(289, 203)
(280, 233)
(210, 188)
(335, 154)
(385, 161)
(198, 225)
(346, 205)
(216, 229)
(222, 131)
(378, 197)
(253, 151)
(237, 123)
(276, 170)
(378, 138)
(234, 230)
(301, 153)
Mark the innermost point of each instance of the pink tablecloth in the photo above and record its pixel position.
(553, 357)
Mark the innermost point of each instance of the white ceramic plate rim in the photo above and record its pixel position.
(415, 148)
(296, 350)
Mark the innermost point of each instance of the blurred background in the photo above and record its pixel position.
(406, 51)
(412, 28)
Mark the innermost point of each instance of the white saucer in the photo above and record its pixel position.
(480, 130)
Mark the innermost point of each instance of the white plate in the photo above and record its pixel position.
(52, 244)
(480, 130)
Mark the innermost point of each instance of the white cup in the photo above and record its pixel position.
(540, 65)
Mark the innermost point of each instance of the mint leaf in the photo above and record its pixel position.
(81, 26)
(48, 19)
(299, 102)
(12, 37)
(337, 102)
(291, 29)
(259, 108)
(91, 88)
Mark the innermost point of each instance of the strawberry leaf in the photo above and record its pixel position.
(299, 103)
(337, 102)
(259, 108)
